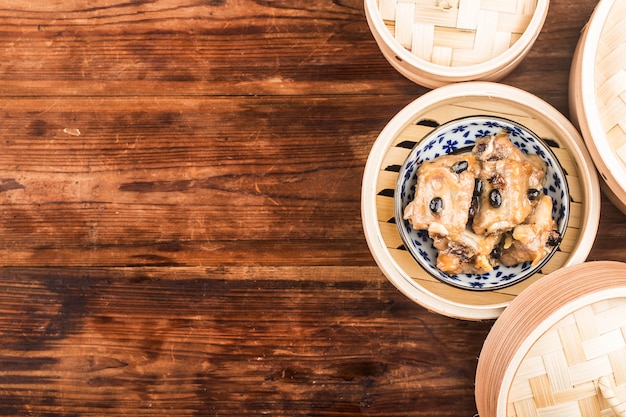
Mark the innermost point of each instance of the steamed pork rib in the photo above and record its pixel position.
(511, 181)
(485, 208)
(466, 253)
(533, 239)
(443, 195)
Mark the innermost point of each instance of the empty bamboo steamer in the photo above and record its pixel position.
(436, 42)
(408, 127)
(598, 95)
(559, 349)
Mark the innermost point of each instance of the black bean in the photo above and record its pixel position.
(436, 205)
(554, 238)
(533, 194)
(495, 198)
(496, 253)
(460, 166)
(473, 207)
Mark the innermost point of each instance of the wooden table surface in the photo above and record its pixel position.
(180, 229)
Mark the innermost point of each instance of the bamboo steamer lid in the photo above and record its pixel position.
(559, 349)
(437, 42)
(598, 95)
(414, 122)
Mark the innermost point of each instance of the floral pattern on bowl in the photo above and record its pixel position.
(459, 136)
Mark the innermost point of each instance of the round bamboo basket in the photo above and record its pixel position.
(559, 349)
(598, 95)
(437, 42)
(410, 125)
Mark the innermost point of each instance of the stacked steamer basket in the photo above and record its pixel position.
(559, 349)
(598, 95)
(436, 42)
(410, 126)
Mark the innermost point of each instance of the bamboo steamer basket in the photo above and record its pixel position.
(598, 95)
(559, 349)
(416, 120)
(437, 42)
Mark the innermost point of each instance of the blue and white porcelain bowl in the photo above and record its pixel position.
(459, 136)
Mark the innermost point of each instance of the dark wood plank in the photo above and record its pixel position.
(228, 341)
(184, 178)
(188, 47)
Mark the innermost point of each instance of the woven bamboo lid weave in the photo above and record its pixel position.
(435, 42)
(598, 95)
(410, 125)
(559, 349)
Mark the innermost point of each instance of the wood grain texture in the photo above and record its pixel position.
(226, 341)
(180, 228)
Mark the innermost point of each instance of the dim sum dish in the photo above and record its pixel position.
(481, 202)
